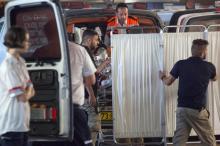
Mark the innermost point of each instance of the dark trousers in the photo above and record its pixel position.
(82, 135)
(14, 139)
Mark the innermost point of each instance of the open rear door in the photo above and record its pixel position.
(48, 65)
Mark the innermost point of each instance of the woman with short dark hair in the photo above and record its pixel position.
(15, 37)
(15, 90)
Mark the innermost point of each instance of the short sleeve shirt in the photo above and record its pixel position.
(14, 78)
(81, 66)
(194, 75)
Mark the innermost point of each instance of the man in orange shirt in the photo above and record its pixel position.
(120, 20)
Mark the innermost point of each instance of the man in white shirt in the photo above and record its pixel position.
(82, 72)
(15, 90)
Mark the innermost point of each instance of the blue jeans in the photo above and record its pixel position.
(14, 139)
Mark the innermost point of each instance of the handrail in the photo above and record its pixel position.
(182, 26)
(214, 25)
(140, 28)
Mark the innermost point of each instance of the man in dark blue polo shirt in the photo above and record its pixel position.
(194, 74)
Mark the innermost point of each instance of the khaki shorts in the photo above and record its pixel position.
(94, 120)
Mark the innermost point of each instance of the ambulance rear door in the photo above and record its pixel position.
(48, 64)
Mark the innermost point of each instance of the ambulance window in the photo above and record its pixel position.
(41, 24)
(206, 21)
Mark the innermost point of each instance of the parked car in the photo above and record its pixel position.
(97, 19)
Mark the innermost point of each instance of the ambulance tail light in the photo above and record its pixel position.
(52, 114)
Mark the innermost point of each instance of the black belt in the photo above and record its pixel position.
(200, 109)
(77, 105)
(195, 108)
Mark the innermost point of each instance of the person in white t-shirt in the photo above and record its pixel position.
(16, 89)
(82, 72)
